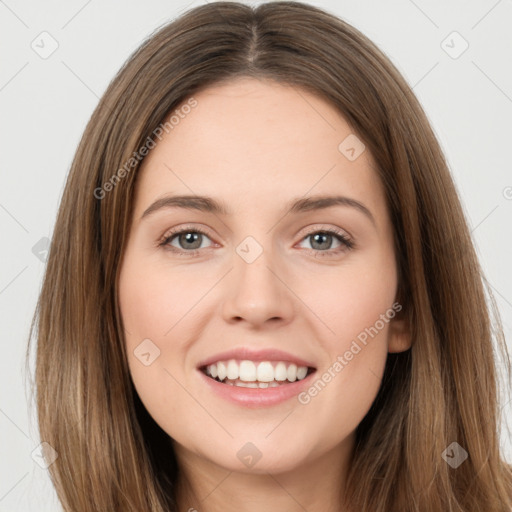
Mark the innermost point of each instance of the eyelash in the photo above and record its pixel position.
(340, 236)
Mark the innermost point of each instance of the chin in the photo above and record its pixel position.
(256, 456)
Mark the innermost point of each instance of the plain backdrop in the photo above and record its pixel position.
(57, 59)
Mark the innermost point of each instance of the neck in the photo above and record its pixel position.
(316, 485)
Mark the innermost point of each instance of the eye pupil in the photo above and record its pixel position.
(323, 236)
(191, 237)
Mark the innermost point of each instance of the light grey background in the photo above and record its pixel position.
(46, 102)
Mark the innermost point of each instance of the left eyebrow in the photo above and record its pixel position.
(298, 205)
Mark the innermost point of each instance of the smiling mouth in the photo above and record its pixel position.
(256, 374)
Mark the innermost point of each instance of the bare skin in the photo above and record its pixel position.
(256, 146)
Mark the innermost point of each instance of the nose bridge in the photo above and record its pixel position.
(256, 291)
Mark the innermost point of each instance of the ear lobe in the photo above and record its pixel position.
(399, 335)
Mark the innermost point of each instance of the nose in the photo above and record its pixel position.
(257, 293)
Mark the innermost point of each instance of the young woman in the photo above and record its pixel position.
(262, 291)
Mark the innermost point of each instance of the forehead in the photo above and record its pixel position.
(256, 143)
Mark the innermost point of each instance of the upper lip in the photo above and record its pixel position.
(245, 353)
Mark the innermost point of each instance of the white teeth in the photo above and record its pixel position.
(213, 370)
(252, 374)
(292, 372)
(232, 372)
(280, 372)
(247, 371)
(265, 372)
(301, 372)
(221, 370)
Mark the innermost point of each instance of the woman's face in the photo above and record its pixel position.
(267, 293)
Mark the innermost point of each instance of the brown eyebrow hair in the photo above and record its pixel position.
(298, 205)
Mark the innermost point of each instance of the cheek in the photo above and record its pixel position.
(356, 305)
(354, 297)
(153, 300)
(157, 304)
(151, 305)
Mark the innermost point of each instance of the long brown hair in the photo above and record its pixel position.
(444, 389)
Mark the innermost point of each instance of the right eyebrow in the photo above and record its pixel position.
(201, 203)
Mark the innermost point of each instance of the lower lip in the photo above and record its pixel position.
(256, 397)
